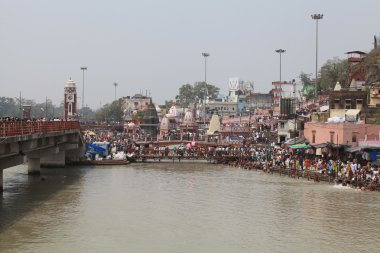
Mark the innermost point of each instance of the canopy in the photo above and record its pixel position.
(298, 146)
(95, 147)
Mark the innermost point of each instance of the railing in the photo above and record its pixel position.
(17, 128)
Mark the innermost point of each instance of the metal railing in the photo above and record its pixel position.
(18, 128)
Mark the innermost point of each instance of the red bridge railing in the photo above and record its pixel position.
(17, 128)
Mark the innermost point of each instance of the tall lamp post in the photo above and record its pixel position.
(316, 17)
(205, 55)
(115, 84)
(280, 51)
(83, 69)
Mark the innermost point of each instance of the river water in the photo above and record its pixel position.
(182, 208)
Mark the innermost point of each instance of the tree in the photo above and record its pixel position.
(199, 90)
(372, 66)
(8, 107)
(110, 112)
(188, 93)
(333, 71)
(308, 86)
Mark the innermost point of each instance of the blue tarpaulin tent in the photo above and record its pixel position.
(88, 144)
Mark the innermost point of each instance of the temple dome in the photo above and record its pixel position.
(337, 87)
(214, 125)
(70, 83)
(188, 119)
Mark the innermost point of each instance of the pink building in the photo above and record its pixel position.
(340, 133)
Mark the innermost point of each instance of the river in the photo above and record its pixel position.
(182, 208)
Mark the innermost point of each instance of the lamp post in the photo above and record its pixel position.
(115, 84)
(280, 51)
(205, 55)
(83, 69)
(316, 17)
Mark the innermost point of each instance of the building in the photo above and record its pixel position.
(70, 100)
(134, 103)
(150, 122)
(346, 133)
(259, 100)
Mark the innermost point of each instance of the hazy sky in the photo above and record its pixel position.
(156, 45)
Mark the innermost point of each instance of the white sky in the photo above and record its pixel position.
(156, 45)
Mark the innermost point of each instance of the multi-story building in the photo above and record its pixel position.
(134, 103)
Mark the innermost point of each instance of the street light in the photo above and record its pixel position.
(115, 84)
(280, 51)
(83, 69)
(316, 17)
(205, 55)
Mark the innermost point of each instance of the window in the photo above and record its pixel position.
(336, 103)
(347, 104)
(359, 104)
(313, 139)
(70, 108)
(282, 124)
(353, 137)
(331, 136)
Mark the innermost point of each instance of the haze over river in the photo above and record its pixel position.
(182, 208)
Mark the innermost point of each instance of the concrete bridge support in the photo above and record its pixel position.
(34, 166)
(1, 180)
(54, 160)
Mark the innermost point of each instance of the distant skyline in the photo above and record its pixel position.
(157, 45)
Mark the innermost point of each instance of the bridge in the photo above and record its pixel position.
(48, 144)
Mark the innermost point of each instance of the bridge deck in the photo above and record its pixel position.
(19, 128)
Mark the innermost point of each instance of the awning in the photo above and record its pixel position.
(322, 145)
(352, 149)
(298, 146)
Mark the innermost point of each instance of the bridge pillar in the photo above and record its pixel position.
(54, 160)
(1, 180)
(34, 166)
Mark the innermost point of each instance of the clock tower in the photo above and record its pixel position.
(70, 100)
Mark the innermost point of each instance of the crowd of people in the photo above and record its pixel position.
(259, 151)
(16, 119)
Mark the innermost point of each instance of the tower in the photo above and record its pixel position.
(70, 100)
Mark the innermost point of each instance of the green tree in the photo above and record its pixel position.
(308, 86)
(188, 93)
(110, 112)
(372, 66)
(333, 71)
(8, 107)
(199, 90)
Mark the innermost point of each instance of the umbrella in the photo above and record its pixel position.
(91, 133)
